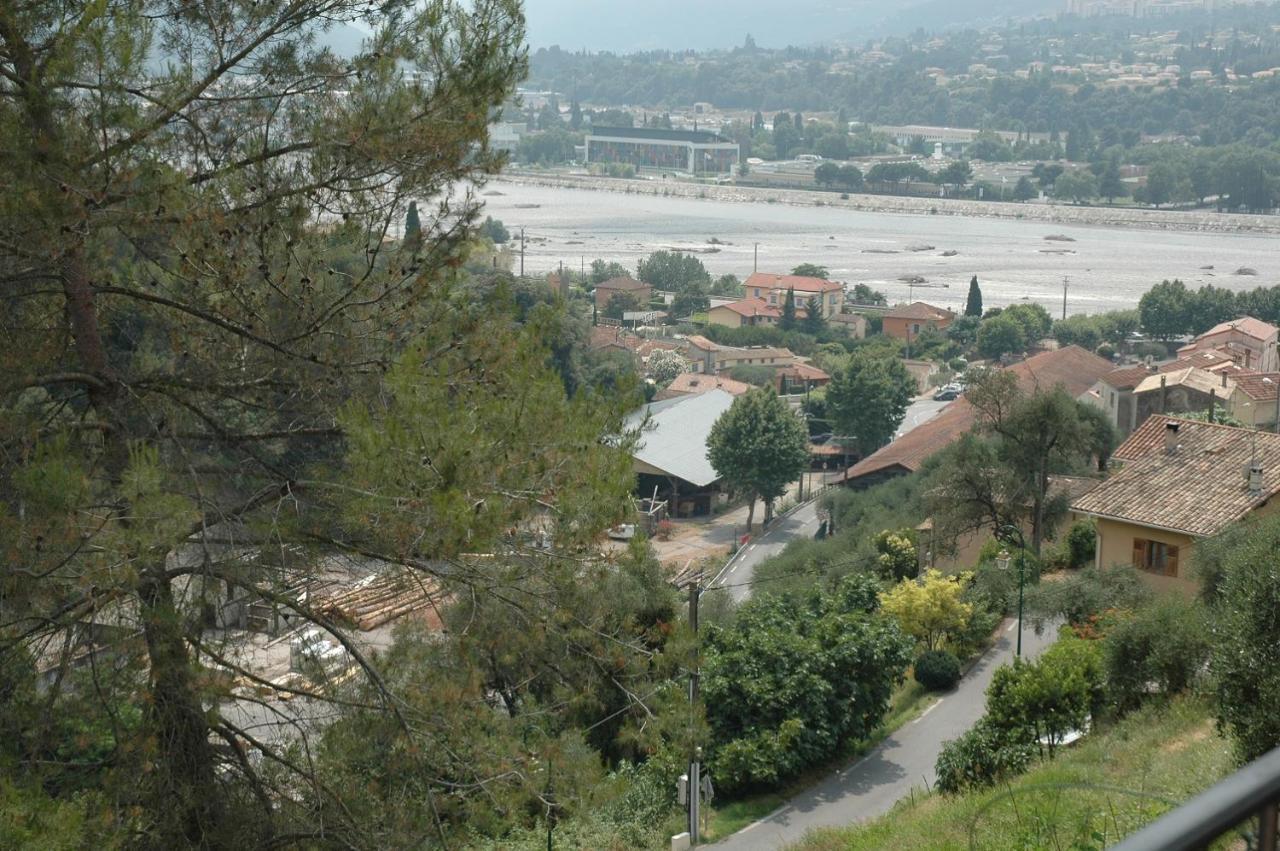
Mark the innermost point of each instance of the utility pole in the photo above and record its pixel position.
(1065, 280)
(695, 764)
(755, 263)
(522, 252)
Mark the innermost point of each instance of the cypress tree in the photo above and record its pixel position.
(412, 224)
(788, 320)
(973, 306)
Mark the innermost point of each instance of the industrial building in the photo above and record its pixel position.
(690, 151)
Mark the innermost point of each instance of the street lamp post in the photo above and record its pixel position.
(1002, 562)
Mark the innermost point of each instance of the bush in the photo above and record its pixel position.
(937, 670)
(1082, 542)
(1164, 645)
(980, 757)
(1049, 697)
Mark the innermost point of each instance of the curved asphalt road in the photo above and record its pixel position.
(904, 761)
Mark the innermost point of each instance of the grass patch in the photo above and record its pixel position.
(908, 701)
(1089, 797)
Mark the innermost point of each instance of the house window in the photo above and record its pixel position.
(757, 293)
(1155, 556)
(915, 329)
(773, 298)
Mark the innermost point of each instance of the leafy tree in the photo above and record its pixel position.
(759, 446)
(754, 374)
(826, 174)
(602, 271)
(1046, 174)
(1165, 310)
(956, 174)
(621, 303)
(1023, 190)
(1076, 186)
(692, 299)
(869, 399)
(931, 611)
(973, 304)
(896, 556)
(493, 230)
(964, 331)
(1034, 319)
(1005, 480)
(999, 336)
(864, 294)
(811, 270)
(1110, 184)
(727, 285)
(1210, 306)
(794, 677)
(575, 116)
(1081, 597)
(412, 224)
(833, 146)
(664, 365)
(1045, 699)
(1078, 330)
(850, 177)
(787, 322)
(1245, 634)
(673, 271)
(1166, 643)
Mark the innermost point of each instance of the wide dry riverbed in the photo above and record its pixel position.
(1111, 258)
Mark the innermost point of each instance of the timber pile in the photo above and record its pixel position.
(377, 599)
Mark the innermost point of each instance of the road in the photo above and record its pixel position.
(905, 760)
(918, 413)
(801, 523)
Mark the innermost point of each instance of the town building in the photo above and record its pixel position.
(1250, 342)
(773, 288)
(1256, 402)
(711, 358)
(743, 313)
(692, 383)
(908, 321)
(1179, 481)
(671, 452)
(690, 151)
(1072, 367)
(853, 324)
(954, 141)
(606, 290)
(1184, 391)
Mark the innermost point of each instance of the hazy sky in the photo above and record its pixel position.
(639, 24)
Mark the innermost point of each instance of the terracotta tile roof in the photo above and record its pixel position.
(1210, 359)
(1246, 325)
(1126, 377)
(1258, 386)
(1074, 368)
(603, 336)
(622, 284)
(751, 307)
(919, 310)
(689, 383)
(1191, 377)
(805, 372)
(700, 342)
(799, 283)
(1198, 490)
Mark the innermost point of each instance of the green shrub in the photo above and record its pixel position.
(1082, 542)
(1078, 596)
(937, 670)
(980, 757)
(1163, 647)
(1051, 696)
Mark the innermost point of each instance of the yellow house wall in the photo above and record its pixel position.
(1115, 546)
(724, 316)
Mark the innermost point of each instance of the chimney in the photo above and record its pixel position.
(1171, 438)
(1255, 479)
(1224, 378)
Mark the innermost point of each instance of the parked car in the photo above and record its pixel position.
(948, 393)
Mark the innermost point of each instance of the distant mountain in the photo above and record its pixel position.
(681, 24)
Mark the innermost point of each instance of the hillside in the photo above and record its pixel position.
(1160, 755)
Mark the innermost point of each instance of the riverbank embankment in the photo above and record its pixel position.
(1200, 221)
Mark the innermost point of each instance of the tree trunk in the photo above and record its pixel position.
(751, 510)
(768, 513)
(187, 801)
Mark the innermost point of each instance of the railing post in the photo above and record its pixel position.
(1267, 827)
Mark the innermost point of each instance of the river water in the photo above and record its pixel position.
(1107, 268)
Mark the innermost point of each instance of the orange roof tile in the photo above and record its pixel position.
(1074, 368)
(1199, 489)
(799, 283)
(919, 310)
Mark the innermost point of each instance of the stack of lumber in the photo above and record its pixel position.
(377, 599)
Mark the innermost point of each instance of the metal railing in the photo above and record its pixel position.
(1253, 792)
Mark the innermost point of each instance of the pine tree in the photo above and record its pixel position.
(814, 321)
(788, 320)
(412, 224)
(973, 305)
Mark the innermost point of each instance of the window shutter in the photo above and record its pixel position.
(1139, 553)
(1171, 563)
